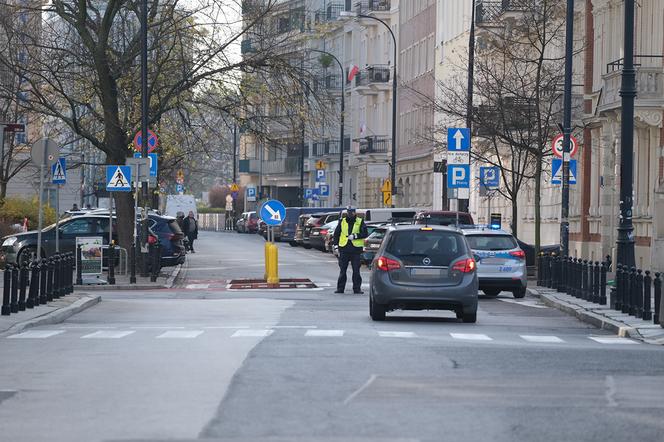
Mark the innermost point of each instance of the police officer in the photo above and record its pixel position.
(349, 237)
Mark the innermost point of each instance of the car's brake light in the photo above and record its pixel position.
(323, 232)
(465, 266)
(387, 264)
(518, 254)
(152, 239)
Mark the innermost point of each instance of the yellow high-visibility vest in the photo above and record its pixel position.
(343, 237)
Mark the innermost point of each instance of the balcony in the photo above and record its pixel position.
(375, 8)
(649, 84)
(282, 166)
(327, 83)
(372, 79)
(490, 13)
(374, 145)
(329, 148)
(329, 14)
(249, 166)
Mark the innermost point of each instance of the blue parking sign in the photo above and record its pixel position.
(324, 190)
(458, 176)
(308, 193)
(320, 175)
(490, 177)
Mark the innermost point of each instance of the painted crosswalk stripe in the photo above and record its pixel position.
(251, 333)
(396, 334)
(36, 334)
(471, 336)
(612, 340)
(183, 334)
(108, 334)
(197, 286)
(542, 339)
(324, 333)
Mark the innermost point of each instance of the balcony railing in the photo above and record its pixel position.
(249, 166)
(329, 14)
(286, 166)
(365, 6)
(373, 74)
(374, 144)
(329, 148)
(487, 12)
(649, 85)
(330, 82)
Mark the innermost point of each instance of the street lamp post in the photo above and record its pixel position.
(465, 203)
(341, 123)
(625, 242)
(394, 98)
(567, 128)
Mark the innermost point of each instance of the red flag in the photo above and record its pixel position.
(352, 72)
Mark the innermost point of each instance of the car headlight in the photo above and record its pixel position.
(9, 241)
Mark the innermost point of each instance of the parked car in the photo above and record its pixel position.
(384, 215)
(299, 230)
(239, 224)
(318, 235)
(329, 238)
(251, 223)
(372, 242)
(314, 221)
(443, 218)
(287, 230)
(171, 238)
(421, 268)
(501, 264)
(262, 228)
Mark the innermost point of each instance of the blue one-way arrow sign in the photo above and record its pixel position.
(458, 139)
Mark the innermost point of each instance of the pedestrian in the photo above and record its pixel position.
(190, 228)
(74, 208)
(349, 237)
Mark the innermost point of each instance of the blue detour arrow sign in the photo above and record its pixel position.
(272, 212)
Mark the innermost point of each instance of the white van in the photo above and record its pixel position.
(180, 203)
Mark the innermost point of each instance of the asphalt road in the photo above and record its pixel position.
(202, 362)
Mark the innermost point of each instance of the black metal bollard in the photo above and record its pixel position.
(6, 291)
(154, 262)
(596, 281)
(585, 273)
(549, 271)
(43, 276)
(14, 291)
(647, 291)
(22, 285)
(573, 271)
(61, 275)
(79, 272)
(565, 275)
(602, 283)
(631, 310)
(70, 272)
(56, 276)
(539, 269)
(33, 293)
(608, 263)
(111, 264)
(554, 272)
(50, 267)
(132, 264)
(616, 300)
(658, 317)
(545, 270)
(638, 293)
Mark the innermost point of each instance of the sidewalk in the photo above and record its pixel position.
(601, 316)
(165, 280)
(54, 312)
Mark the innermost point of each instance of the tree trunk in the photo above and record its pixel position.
(515, 214)
(538, 203)
(3, 191)
(124, 201)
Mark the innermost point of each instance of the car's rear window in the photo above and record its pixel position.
(491, 242)
(443, 220)
(426, 247)
(377, 234)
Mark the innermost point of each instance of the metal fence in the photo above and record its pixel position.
(633, 291)
(213, 222)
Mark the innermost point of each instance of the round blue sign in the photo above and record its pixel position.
(272, 212)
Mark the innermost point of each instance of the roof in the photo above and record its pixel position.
(485, 231)
(403, 227)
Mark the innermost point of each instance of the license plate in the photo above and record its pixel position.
(374, 246)
(424, 272)
(506, 269)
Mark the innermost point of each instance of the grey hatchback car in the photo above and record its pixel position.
(423, 268)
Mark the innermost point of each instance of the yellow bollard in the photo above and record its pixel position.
(267, 260)
(273, 268)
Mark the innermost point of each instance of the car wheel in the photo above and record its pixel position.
(25, 255)
(307, 246)
(492, 293)
(292, 244)
(519, 293)
(376, 311)
(470, 318)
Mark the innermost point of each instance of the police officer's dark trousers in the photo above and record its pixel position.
(354, 260)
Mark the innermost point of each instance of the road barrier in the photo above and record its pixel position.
(214, 222)
(154, 252)
(38, 282)
(633, 291)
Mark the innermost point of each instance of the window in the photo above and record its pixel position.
(491, 242)
(85, 226)
(411, 246)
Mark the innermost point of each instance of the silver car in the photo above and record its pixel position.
(423, 267)
(501, 264)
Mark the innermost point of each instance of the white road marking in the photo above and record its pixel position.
(294, 326)
(324, 333)
(611, 340)
(108, 334)
(354, 394)
(471, 336)
(542, 339)
(610, 391)
(184, 334)
(36, 334)
(252, 333)
(527, 303)
(225, 327)
(197, 286)
(148, 327)
(396, 334)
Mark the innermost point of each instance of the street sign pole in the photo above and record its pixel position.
(57, 218)
(567, 128)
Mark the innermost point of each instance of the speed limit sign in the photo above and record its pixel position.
(558, 146)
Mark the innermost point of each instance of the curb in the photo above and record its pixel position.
(170, 280)
(54, 317)
(589, 317)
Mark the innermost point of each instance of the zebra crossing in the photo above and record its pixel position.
(311, 332)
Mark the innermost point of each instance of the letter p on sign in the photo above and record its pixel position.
(458, 176)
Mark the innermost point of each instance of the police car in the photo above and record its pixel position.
(501, 264)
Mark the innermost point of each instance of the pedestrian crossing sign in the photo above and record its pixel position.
(557, 171)
(59, 171)
(118, 178)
